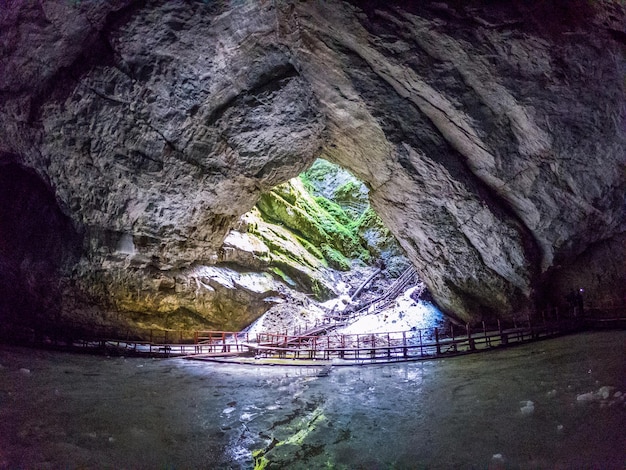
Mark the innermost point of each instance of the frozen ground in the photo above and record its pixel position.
(551, 404)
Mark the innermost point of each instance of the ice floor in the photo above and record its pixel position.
(552, 404)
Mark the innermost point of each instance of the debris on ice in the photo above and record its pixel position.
(585, 397)
(605, 392)
(528, 407)
(247, 416)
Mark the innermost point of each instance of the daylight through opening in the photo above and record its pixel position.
(336, 259)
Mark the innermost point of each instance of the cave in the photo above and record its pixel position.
(143, 147)
(451, 129)
(38, 246)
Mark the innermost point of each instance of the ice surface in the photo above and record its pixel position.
(419, 414)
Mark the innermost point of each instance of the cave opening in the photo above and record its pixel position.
(38, 242)
(328, 243)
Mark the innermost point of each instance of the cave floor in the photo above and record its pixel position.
(557, 403)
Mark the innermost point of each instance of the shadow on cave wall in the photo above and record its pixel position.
(37, 244)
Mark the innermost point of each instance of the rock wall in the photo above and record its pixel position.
(491, 135)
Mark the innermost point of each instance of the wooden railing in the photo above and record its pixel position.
(324, 344)
(131, 340)
(403, 345)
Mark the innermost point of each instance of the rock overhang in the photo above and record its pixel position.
(472, 131)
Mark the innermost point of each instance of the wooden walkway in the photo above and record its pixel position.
(320, 345)
(402, 346)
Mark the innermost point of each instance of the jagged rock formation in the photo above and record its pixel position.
(491, 135)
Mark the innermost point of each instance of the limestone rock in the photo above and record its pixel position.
(491, 136)
(338, 185)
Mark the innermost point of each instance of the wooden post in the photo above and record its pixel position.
(503, 337)
(421, 344)
(404, 350)
(343, 346)
(437, 340)
(533, 334)
(487, 340)
(470, 340)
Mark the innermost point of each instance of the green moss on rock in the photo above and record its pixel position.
(314, 219)
(335, 258)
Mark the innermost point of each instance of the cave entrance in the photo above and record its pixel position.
(328, 210)
(326, 242)
(37, 243)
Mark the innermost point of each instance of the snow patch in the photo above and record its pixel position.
(406, 315)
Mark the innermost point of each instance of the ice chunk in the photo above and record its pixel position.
(246, 416)
(559, 428)
(25, 371)
(586, 397)
(551, 393)
(617, 394)
(228, 410)
(528, 407)
(605, 392)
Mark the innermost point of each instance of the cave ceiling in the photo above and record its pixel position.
(491, 135)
